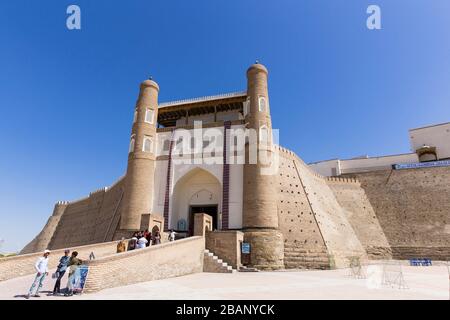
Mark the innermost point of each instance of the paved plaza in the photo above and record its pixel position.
(422, 283)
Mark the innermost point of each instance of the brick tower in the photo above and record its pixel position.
(260, 216)
(138, 196)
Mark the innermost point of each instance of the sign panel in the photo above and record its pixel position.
(245, 247)
(80, 277)
(431, 164)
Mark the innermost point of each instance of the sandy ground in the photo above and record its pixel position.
(422, 282)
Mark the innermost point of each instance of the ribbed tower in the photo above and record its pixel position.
(260, 216)
(138, 196)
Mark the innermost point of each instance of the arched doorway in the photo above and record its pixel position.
(198, 191)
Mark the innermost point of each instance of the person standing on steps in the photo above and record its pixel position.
(60, 271)
(41, 267)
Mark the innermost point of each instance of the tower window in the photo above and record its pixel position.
(262, 104)
(149, 115)
(246, 106)
(132, 142)
(264, 134)
(166, 145)
(148, 144)
(135, 116)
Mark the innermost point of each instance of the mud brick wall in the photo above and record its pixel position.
(413, 208)
(93, 219)
(226, 245)
(170, 259)
(311, 219)
(361, 215)
(11, 267)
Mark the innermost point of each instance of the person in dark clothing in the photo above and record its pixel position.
(148, 236)
(132, 243)
(60, 271)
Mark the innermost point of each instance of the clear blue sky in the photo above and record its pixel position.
(337, 89)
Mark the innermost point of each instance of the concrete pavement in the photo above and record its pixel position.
(423, 283)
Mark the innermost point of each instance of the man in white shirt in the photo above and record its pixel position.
(41, 267)
(142, 242)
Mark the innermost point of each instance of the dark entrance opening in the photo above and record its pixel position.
(208, 209)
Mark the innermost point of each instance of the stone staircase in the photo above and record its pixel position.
(212, 263)
(301, 258)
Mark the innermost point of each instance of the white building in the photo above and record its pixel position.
(431, 142)
(428, 143)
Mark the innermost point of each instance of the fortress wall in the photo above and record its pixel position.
(16, 266)
(413, 209)
(93, 219)
(339, 236)
(89, 220)
(42, 240)
(361, 215)
(303, 242)
(324, 212)
(107, 221)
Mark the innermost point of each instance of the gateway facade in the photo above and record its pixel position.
(233, 170)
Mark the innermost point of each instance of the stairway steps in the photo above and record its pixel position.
(214, 264)
(247, 269)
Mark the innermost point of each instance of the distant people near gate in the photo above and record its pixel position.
(146, 233)
(148, 236)
(74, 262)
(41, 267)
(121, 246)
(172, 235)
(133, 242)
(157, 237)
(60, 271)
(142, 242)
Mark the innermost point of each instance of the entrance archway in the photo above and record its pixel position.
(197, 191)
